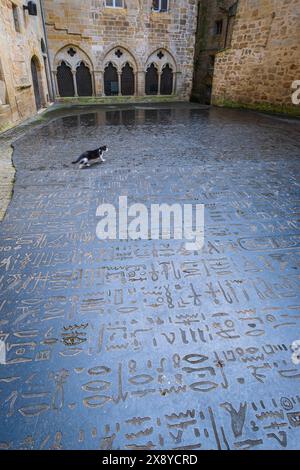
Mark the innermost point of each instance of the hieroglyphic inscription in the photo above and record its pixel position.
(142, 344)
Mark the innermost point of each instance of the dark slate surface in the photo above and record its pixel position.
(140, 344)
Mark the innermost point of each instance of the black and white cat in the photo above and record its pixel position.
(91, 156)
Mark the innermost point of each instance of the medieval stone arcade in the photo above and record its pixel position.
(121, 48)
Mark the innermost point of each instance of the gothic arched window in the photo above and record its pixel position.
(166, 81)
(151, 86)
(111, 84)
(127, 80)
(84, 80)
(65, 80)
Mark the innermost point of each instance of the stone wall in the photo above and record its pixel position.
(264, 58)
(20, 43)
(97, 33)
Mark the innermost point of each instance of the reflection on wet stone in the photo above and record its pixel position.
(142, 344)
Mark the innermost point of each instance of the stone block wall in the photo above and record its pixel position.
(21, 36)
(258, 70)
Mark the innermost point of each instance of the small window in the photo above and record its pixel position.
(219, 27)
(160, 5)
(15, 12)
(114, 3)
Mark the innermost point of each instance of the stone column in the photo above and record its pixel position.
(177, 83)
(159, 82)
(174, 84)
(135, 83)
(119, 83)
(140, 86)
(75, 82)
(98, 83)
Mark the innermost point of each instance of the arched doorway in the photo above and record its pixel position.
(166, 81)
(65, 80)
(127, 80)
(151, 85)
(111, 85)
(35, 72)
(84, 80)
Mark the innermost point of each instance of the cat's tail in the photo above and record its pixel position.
(76, 161)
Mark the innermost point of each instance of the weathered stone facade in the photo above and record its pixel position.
(264, 58)
(23, 63)
(215, 24)
(245, 53)
(101, 40)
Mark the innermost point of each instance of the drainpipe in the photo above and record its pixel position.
(51, 91)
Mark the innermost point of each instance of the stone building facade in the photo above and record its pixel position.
(121, 47)
(24, 72)
(215, 23)
(239, 53)
(259, 68)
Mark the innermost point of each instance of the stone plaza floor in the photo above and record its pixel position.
(143, 344)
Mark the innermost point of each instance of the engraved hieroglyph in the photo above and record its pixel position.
(143, 344)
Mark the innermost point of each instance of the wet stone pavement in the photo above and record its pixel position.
(142, 344)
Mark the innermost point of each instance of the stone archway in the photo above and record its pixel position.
(65, 80)
(74, 72)
(160, 68)
(121, 65)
